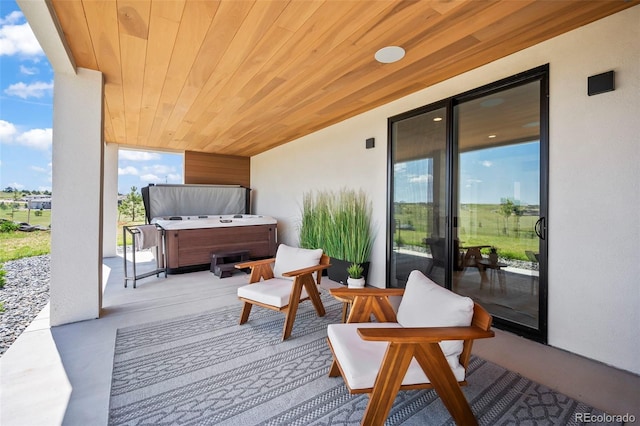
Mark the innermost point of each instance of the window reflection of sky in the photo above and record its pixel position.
(486, 176)
(413, 182)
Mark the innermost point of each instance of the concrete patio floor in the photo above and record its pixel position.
(62, 375)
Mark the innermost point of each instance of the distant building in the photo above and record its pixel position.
(39, 202)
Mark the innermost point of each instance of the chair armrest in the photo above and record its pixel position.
(303, 271)
(252, 263)
(424, 334)
(365, 292)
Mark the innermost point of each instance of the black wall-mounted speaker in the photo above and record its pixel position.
(601, 83)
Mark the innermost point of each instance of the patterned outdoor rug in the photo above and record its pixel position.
(205, 369)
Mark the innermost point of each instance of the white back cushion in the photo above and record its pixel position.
(292, 258)
(274, 292)
(426, 304)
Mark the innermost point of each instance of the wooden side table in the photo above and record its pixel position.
(346, 305)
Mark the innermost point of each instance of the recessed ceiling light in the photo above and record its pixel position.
(437, 119)
(492, 136)
(389, 54)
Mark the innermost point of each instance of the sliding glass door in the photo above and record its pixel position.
(419, 197)
(468, 193)
(497, 202)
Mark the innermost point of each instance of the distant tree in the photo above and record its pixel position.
(506, 210)
(14, 204)
(518, 211)
(8, 189)
(132, 205)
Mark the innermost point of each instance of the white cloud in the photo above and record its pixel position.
(18, 39)
(137, 155)
(487, 163)
(31, 90)
(129, 170)
(174, 178)
(160, 173)
(420, 179)
(472, 182)
(151, 178)
(29, 71)
(16, 185)
(8, 132)
(38, 169)
(36, 138)
(400, 167)
(12, 18)
(159, 169)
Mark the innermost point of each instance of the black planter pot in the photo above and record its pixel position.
(338, 270)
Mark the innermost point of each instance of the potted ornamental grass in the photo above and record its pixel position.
(338, 222)
(355, 279)
(493, 255)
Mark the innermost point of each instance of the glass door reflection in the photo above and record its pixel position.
(498, 202)
(418, 213)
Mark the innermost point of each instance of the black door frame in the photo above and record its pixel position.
(540, 74)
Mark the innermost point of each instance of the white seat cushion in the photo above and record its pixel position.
(274, 292)
(293, 258)
(360, 360)
(426, 304)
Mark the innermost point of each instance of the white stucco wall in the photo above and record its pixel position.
(76, 215)
(594, 219)
(110, 201)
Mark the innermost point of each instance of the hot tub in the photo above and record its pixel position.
(213, 221)
(191, 240)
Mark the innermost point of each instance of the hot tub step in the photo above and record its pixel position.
(223, 263)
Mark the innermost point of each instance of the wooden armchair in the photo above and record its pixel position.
(284, 286)
(427, 344)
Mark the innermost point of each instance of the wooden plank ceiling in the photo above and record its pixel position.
(240, 77)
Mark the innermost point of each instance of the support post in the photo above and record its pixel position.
(77, 193)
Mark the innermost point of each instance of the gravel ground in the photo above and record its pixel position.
(25, 293)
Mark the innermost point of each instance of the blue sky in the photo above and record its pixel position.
(26, 106)
(486, 176)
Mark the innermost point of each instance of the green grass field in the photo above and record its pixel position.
(16, 245)
(32, 217)
(478, 224)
